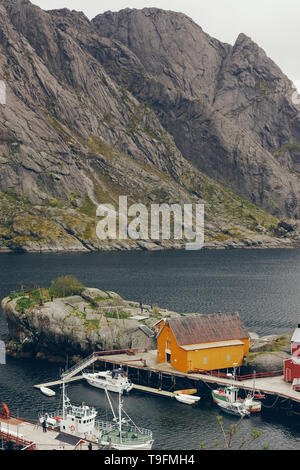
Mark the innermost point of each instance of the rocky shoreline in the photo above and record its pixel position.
(99, 320)
(272, 243)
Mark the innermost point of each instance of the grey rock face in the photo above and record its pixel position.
(272, 361)
(77, 325)
(142, 103)
(228, 108)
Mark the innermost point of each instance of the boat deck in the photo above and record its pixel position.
(50, 440)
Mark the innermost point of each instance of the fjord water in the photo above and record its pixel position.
(262, 285)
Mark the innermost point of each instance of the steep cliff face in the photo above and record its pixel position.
(137, 103)
(232, 113)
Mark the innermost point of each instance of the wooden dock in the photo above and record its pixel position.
(153, 391)
(147, 364)
(58, 382)
(141, 388)
(269, 385)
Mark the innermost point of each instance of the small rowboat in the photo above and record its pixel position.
(186, 396)
(187, 399)
(47, 391)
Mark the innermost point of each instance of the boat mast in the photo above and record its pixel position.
(254, 376)
(64, 399)
(120, 416)
(110, 404)
(233, 381)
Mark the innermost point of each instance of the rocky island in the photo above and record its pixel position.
(89, 319)
(76, 320)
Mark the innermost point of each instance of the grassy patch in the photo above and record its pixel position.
(118, 315)
(66, 286)
(23, 304)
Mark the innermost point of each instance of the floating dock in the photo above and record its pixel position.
(153, 391)
(58, 382)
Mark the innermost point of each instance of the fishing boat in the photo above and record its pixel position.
(113, 381)
(227, 399)
(123, 433)
(187, 396)
(80, 422)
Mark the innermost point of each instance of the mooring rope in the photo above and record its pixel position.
(273, 404)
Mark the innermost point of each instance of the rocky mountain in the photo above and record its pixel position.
(229, 109)
(140, 103)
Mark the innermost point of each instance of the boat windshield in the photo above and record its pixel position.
(117, 373)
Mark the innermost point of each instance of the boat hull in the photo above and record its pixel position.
(47, 391)
(119, 446)
(228, 407)
(104, 385)
(187, 399)
(252, 406)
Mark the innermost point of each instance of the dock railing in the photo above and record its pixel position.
(239, 378)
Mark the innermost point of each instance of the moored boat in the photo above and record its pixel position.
(187, 396)
(187, 399)
(47, 391)
(121, 433)
(227, 400)
(113, 381)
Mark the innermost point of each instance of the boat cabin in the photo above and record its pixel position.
(78, 420)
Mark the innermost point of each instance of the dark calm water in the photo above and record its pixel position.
(262, 285)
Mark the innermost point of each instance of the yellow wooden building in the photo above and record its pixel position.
(202, 342)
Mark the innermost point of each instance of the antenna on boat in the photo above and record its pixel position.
(110, 403)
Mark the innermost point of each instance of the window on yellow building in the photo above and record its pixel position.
(228, 357)
(205, 360)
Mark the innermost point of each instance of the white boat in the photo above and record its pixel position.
(47, 391)
(227, 400)
(253, 406)
(187, 399)
(113, 381)
(80, 422)
(123, 434)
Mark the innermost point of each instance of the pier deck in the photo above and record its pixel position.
(153, 391)
(269, 385)
(50, 440)
(147, 361)
(58, 382)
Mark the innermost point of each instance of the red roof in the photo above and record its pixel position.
(198, 329)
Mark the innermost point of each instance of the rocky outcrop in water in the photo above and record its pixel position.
(143, 103)
(78, 325)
